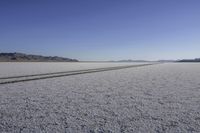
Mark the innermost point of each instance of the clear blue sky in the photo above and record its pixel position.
(102, 29)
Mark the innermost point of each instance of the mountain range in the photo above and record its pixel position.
(21, 57)
(190, 60)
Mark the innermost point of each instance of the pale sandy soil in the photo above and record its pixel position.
(159, 98)
(26, 68)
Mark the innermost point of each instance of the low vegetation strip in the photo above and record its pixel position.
(23, 78)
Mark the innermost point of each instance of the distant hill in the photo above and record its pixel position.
(190, 60)
(166, 61)
(21, 57)
(132, 60)
(144, 61)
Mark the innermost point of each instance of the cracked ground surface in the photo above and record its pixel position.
(159, 98)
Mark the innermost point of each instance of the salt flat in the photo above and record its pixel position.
(26, 68)
(158, 98)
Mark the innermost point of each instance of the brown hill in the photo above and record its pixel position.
(21, 57)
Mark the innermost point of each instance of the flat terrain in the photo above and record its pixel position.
(25, 68)
(156, 98)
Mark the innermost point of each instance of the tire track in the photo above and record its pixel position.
(24, 78)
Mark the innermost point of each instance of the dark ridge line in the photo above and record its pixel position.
(76, 73)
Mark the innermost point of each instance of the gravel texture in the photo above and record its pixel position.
(26, 68)
(159, 98)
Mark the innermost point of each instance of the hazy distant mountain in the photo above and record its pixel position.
(146, 61)
(21, 57)
(132, 60)
(190, 60)
(166, 60)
